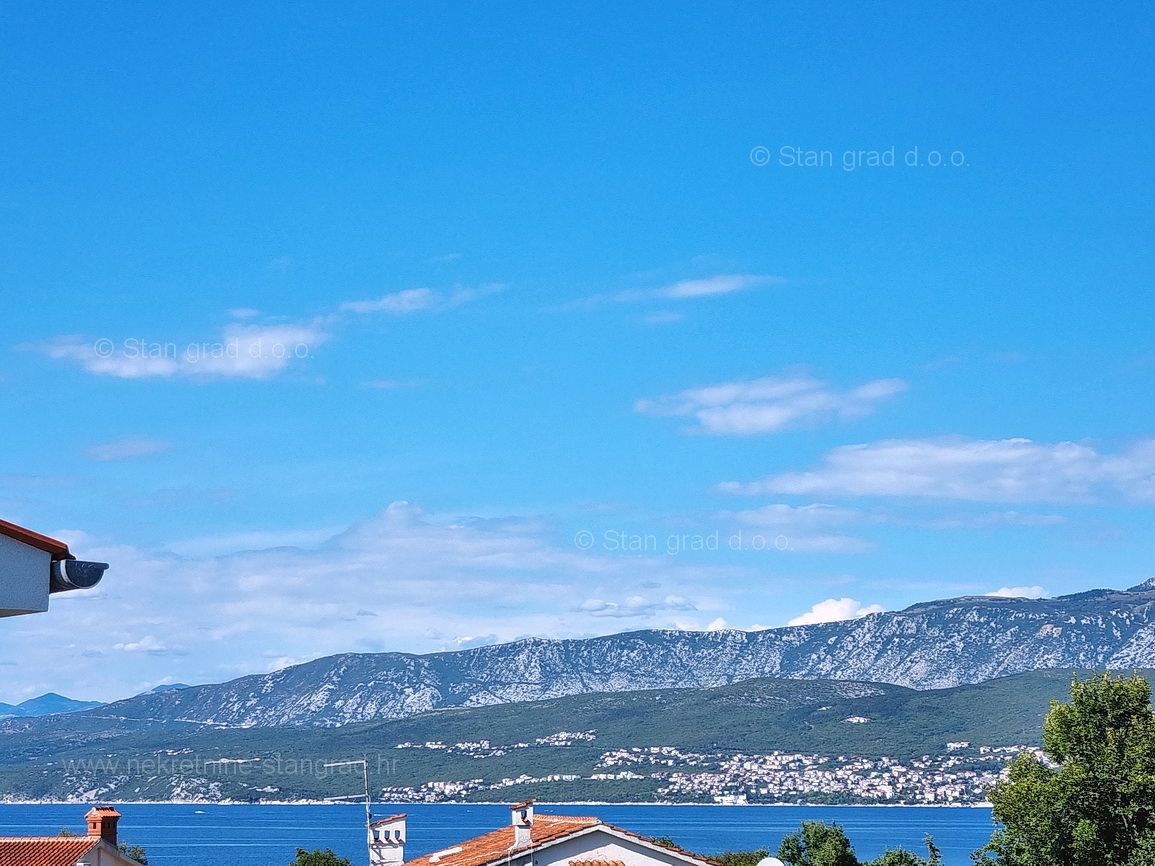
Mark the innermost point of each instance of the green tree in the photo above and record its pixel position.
(902, 857)
(133, 852)
(740, 858)
(817, 844)
(898, 857)
(1093, 802)
(319, 858)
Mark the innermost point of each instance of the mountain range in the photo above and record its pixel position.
(45, 705)
(495, 752)
(51, 704)
(933, 645)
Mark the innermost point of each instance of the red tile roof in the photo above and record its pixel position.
(396, 817)
(496, 845)
(58, 549)
(44, 850)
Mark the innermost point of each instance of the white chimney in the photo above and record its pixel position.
(387, 841)
(522, 823)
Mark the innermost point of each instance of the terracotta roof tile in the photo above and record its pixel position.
(44, 850)
(496, 845)
(396, 817)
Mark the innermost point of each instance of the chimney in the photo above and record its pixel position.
(102, 823)
(522, 823)
(387, 841)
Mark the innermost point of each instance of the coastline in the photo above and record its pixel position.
(564, 803)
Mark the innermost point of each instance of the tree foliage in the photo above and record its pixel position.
(902, 857)
(133, 852)
(740, 858)
(816, 843)
(898, 857)
(319, 858)
(1092, 803)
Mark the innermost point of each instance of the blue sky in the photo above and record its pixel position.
(431, 292)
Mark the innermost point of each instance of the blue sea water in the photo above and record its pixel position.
(206, 835)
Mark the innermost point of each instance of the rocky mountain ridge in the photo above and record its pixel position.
(935, 644)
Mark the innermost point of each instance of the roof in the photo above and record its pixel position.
(45, 850)
(58, 549)
(545, 830)
(396, 817)
(680, 851)
(499, 843)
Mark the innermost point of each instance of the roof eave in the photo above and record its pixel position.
(685, 856)
(57, 549)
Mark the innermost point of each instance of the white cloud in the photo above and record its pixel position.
(718, 625)
(220, 545)
(1019, 592)
(128, 447)
(1007, 470)
(147, 644)
(749, 407)
(797, 517)
(397, 303)
(634, 606)
(408, 301)
(800, 528)
(835, 610)
(722, 284)
(221, 610)
(242, 349)
(239, 351)
(467, 641)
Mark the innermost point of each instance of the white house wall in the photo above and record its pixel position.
(105, 855)
(599, 845)
(24, 572)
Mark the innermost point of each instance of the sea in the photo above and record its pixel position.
(269, 835)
